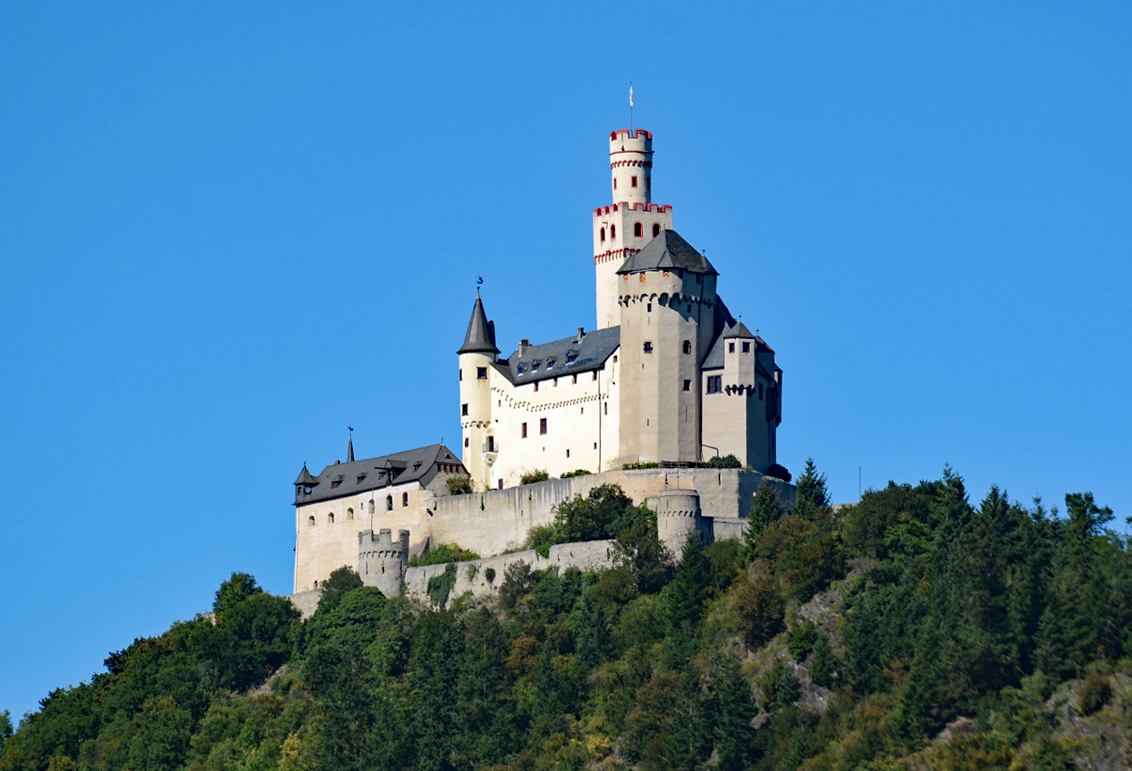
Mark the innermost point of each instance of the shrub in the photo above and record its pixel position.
(439, 587)
(458, 484)
(1095, 693)
(632, 466)
(532, 477)
(580, 472)
(780, 687)
(444, 552)
(489, 574)
(760, 608)
(726, 461)
(801, 640)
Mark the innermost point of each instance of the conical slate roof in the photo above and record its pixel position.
(481, 332)
(305, 478)
(668, 251)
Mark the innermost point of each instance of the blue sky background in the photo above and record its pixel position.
(230, 230)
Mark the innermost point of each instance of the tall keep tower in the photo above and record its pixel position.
(622, 228)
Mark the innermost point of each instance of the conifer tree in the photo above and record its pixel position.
(811, 493)
(765, 510)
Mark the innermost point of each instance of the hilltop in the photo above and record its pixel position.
(912, 630)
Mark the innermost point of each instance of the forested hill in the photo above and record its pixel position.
(913, 630)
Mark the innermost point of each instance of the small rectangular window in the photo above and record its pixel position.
(731, 347)
(461, 375)
(466, 441)
(649, 309)
(500, 484)
(524, 430)
(595, 375)
(481, 373)
(575, 380)
(463, 409)
(536, 385)
(648, 346)
(714, 384)
(542, 425)
(746, 347)
(687, 385)
(634, 181)
(567, 453)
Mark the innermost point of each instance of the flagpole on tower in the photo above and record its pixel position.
(630, 108)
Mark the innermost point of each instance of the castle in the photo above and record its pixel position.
(666, 380)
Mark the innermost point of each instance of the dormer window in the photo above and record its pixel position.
(417, 466)
(522, 368)
(335, 483)
(549, 363)
(534, 366)
(570, 357)
(360, 478)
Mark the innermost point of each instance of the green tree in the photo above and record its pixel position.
(766, 510)
(342, 580)
(5, 727)
(732, 710)
(825, 670)
(688, 590)
(760, 608)
(811, 493)
(235, 590)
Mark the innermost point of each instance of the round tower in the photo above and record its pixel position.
(630, 161)
(382, 561)
(677, 517)
(477, 354)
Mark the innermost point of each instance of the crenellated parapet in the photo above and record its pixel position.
(382, 561)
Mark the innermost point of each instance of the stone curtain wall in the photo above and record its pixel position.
(496, 521)
(471, 576)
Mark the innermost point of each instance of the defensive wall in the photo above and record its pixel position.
(495, 521)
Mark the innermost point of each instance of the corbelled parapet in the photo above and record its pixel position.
(382, 561)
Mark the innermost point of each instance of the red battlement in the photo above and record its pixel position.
(630, 134)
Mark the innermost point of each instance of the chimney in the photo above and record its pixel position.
(523, 346)
(581, 334)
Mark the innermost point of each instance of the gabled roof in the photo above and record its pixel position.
(481, 332)
(567, 356)
(417, 465)
(667, 251)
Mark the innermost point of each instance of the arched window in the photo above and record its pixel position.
(404, 499)
(349, 513)
(687, 346)
(371, 505)
(330, 518)
(612, 232)
(389, 503)
(656, 230)
(603, 235)
(310, 521)
(637, 230)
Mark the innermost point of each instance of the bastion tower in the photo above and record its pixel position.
(622, 228)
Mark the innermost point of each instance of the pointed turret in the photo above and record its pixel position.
(305, 479)
(350, 450)
(481, 332)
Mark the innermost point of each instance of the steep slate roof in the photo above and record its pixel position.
(733, 330)
(481, 332)
(590, 353)
(410, 466)
(667, 251)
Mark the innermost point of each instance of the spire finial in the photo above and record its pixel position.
(350, 449)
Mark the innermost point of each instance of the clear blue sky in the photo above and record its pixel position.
(230, 230)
